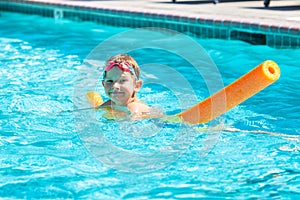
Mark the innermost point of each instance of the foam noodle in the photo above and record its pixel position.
(95, 99)
(246, 86)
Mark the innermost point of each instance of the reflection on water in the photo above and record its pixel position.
(48, 150)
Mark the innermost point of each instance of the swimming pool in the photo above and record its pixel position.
(43, 154)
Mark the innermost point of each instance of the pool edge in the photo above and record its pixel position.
(255, 33)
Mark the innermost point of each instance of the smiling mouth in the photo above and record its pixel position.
(115, 93)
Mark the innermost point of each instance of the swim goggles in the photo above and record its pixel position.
(125, 67)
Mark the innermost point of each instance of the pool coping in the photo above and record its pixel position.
(203, 27)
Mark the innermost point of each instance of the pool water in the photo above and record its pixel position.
(49, 153)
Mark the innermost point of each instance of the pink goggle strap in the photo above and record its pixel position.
(111, 65)
(126, 68)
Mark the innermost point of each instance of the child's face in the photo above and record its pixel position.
(119, 86)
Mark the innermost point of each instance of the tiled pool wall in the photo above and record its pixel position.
(254, 33)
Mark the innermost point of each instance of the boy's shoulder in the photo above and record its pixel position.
(138, 106)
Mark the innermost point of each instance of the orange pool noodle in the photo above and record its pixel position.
(246, 86)
(95, 99)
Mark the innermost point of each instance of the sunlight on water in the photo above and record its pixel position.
(51, 150)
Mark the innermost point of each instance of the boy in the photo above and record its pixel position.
(121, 82)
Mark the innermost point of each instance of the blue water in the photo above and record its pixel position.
(47, 153)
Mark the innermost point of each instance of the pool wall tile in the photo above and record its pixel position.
(253, 32)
